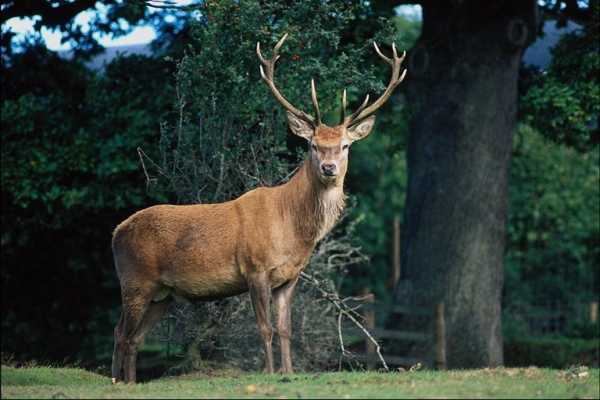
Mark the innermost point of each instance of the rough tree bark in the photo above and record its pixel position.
(462, 85)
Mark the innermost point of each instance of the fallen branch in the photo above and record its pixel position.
(345, 310)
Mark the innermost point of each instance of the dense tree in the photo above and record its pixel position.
(67, 174)
(553, 233)
(553, 230)
(564, 102)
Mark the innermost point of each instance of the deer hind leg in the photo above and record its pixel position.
(138, 316)
(117, 359)
(260, 293)
(155, 311)
(153, 314)
(282, 297)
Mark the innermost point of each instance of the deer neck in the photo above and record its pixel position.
(313, 206)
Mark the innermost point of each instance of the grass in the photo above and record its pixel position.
(47, 382)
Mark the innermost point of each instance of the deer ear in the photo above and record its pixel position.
(362, 129)
(300, 127)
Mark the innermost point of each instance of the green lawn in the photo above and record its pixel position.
(45, 382)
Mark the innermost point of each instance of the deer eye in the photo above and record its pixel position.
(313, 146)
(344, 147)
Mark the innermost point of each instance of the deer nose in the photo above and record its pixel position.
(328, 169)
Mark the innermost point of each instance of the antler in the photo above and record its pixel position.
(364, 111)
(267, 70)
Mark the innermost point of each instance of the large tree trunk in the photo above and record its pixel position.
(462, 81)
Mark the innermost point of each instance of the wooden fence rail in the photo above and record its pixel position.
(438, 335)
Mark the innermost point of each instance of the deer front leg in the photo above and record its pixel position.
(260, 293)
(283, 304)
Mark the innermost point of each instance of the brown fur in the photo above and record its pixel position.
(208, 251)
(328, 134)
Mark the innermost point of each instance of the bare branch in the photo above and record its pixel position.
(170, 4)
(344, 310)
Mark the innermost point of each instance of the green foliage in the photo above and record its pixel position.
(68, 145)
(554, 218)
(68, 163)
(550, 352)
(564, 103)
(229, 134)
(554, 226)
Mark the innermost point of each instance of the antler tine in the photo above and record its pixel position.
(259, 54)
(267, 70)
(313, 94)
(343, 117)
(395, 79)
(280, 43)
(387, 60)
(355, 113)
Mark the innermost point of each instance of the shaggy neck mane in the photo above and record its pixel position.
(313, 206)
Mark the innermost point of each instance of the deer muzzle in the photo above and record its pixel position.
(329, 169)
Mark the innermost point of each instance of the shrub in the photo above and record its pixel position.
(551, 352)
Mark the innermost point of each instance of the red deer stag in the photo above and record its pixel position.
(258, 242)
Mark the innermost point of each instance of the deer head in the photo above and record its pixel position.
(329, 146)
